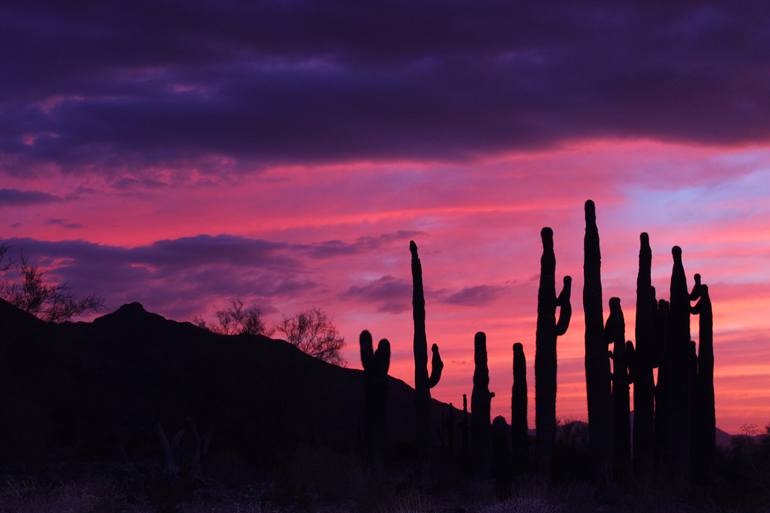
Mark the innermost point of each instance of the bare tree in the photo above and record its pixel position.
(33, 293)
(237, 319)
(314, 333)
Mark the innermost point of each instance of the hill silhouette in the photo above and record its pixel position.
(98, 389)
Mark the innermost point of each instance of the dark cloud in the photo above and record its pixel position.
(387, 293)
(326, 80)
(19, 198)
(333, 248)
(479, 295)
(63, 223)
(393, 295)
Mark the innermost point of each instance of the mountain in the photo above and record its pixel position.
(98, 389)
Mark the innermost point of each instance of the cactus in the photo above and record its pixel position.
(481, 403)
(422, 381)
(706, 428)
(679, 385)
(643, 361)
(465, 444)
(662, 333)
(615, 332)
(502, 456)
(597, 363)
(548, 329)
(519, 427)
(375, 364)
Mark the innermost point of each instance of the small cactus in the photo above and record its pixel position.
(519, 427)
(502, 458)
(376, 365)
(615, 331)
(481, 403)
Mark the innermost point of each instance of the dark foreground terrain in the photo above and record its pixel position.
(135, 413)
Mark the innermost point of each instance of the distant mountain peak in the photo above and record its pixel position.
(129, 313)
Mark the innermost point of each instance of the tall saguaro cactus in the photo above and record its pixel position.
(705, 430)
(481, 403)
(679, 383)
(548, 329)
(423, 382)
(519, 427)
(597, 363)
(643, 361)
(615, 331)
(376, 365)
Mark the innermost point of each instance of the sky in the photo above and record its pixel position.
(184, 153)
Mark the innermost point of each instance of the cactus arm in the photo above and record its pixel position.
(367, 354)
(565, 307)
(436, 367)
(382, 356)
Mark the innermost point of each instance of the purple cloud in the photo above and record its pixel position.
(323, 81)
(19, 198)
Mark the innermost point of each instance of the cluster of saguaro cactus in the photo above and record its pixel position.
(548, 329)
(423, 381)
(375, 365)
(674, 421)
(673, 425)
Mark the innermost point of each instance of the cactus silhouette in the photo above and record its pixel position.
(422, 381)
(597, 363)
(481, 403)
(519, 427)
(642, 360)
(464, 438)
(662, 333)
(705, 432)
(376, 365)
(502, 458)
(679, 383)
(615, 332)
(548, 329)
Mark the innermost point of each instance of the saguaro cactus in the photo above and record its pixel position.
(679, 386)
(423, 382)
(706, 428)
(663, 350)
(502, 458)
(519, 428)
(481, 403)
(615, 331)
(597, 363)
(643, 361)
(464, 441)
(548, 329)
(376, 365)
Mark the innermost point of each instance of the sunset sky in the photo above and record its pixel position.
(285, 153)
